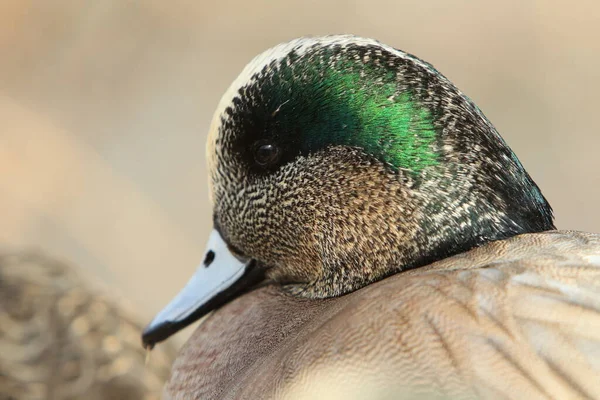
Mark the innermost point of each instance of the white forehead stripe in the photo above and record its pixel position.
(301, 46)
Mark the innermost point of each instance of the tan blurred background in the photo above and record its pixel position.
(104, 108)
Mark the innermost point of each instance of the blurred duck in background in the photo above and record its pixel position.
(60, 338)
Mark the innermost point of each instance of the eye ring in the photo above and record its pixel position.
(266, 154)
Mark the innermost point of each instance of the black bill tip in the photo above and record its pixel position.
(151, 336)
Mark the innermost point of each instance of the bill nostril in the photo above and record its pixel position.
(209, 258)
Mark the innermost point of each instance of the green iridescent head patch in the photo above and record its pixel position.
(334, 97)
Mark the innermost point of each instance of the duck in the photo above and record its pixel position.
(63, 337)
(374, 237)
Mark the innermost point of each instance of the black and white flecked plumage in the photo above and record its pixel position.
(334, 213)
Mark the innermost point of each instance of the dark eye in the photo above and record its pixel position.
(266, 154)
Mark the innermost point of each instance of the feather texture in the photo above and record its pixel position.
(514, 319)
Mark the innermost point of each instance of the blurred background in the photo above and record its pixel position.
(105, 106)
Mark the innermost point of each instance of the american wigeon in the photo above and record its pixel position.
(375, 237)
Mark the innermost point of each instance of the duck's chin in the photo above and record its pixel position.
(301, 290)
(322, 289)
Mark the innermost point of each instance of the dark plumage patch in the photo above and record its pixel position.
(355, 96)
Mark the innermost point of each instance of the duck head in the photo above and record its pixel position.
(337, 161)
